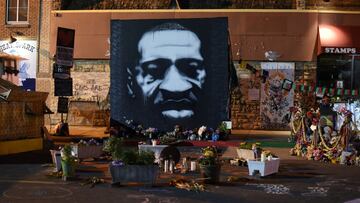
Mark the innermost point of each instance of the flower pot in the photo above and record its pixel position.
(86, 151)
(56, 158)
(265, 168)
(68, 168)
(210, 173)
(134, 173)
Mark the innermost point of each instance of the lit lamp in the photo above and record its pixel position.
(12, 39)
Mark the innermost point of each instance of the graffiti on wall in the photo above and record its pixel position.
(91, 80)
(91, 86)
(275, 101)
(91, 66)
(91, 83)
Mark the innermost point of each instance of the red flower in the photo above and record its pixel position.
(309, 114)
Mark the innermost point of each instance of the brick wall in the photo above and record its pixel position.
(245, 114)
(28, 31)
(206, 4)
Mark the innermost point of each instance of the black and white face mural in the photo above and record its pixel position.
(168, 72)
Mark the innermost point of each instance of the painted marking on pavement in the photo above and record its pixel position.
(272, 188)
(30, 193)
(33, 182)
(316, 192)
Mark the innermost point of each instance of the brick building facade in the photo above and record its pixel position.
(245, 113)
(25, 30)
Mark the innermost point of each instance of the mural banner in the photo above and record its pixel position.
(169, 71)
(27, 51)
(275, 100)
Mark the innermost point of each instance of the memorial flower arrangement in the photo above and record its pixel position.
(209, 156)
(122, 157)
(151, 133)
(210, 165)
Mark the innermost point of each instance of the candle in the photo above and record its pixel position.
(269, 158)
(263, 156)
(193, 166)
(166, 166)
(153, 142)
(185, 166)
(171, 167)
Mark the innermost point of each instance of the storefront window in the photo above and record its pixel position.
(17, 11)
(339, 71)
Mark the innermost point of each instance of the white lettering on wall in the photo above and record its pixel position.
(340, 50)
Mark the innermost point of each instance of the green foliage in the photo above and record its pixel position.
(132, 157)
(249, 145)
(129, 157)
(167, 139)
(146, 158)
(113, 146)
(222, 127)
(66, 154)
(209, 156)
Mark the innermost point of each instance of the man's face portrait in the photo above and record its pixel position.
(168, 72)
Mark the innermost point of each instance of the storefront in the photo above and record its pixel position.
(338, 63)
(290, 36)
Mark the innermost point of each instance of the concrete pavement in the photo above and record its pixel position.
(298, 180)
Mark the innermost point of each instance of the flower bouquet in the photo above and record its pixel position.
(210, 165)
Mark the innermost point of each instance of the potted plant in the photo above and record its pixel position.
(87, 149)
(130, 165)
(210, 165)
(224, 132)
(68, 162)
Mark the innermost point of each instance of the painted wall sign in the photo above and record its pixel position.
(61, 72)
(26, 49)
(65, 46)
(340, 50)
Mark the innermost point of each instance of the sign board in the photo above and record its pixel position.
(63, 105)
(340, 50)
(65, 46)
(61, 72)
(63, 87)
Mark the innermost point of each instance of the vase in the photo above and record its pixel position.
(68, 168)
(210, 173)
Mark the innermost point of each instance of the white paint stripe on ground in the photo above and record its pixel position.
(33, 182)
